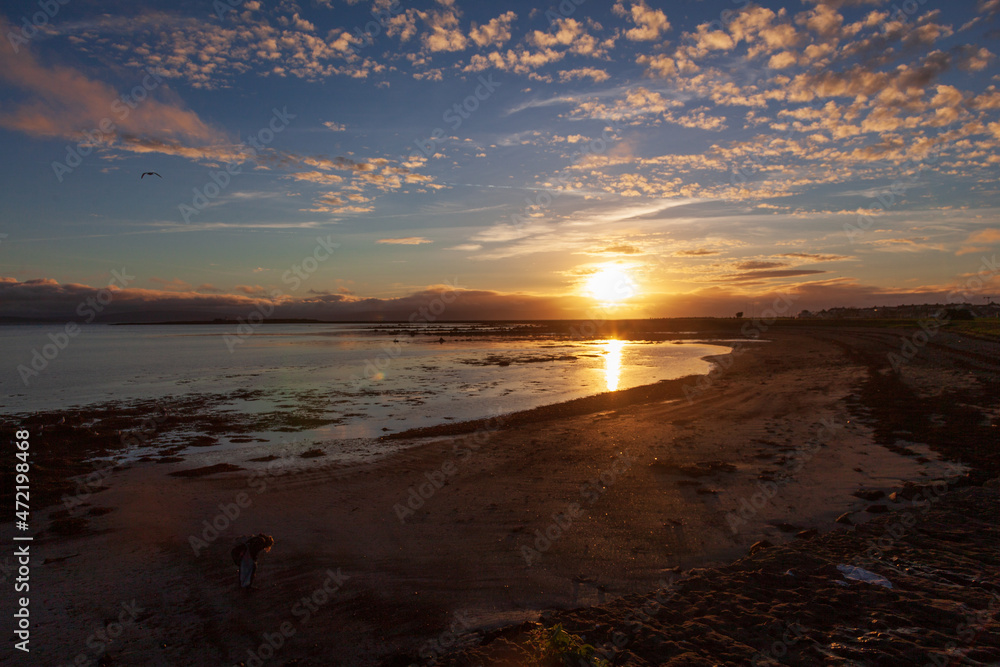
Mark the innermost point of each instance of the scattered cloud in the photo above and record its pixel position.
(650, 24)
(409, 240)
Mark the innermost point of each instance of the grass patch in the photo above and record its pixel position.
(554, 646)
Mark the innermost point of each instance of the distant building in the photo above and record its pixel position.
(908, 312)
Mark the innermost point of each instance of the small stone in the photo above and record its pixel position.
(758, 546)
(809, 533)
(869, 494)
(845, 518)
(876, 509)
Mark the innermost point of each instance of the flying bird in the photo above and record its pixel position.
(148, 173)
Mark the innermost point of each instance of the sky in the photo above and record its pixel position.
(356, 159)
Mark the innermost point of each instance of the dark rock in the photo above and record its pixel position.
(869, 494)
(845, 518)
(876, 509)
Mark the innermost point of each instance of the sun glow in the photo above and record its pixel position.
(613, 363)
(610, 286)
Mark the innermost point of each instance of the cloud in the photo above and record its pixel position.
(696, 252)
(650, 23)
(444, 33)
(980, 241)
(837, 4)
(48, 299)
(175, 285)
(813, 257)
(753, 265)
(637, 103)
(598, 75)
(316, 177)
(761, 275)
(659, 65)
(494, 33)
(571, 34)
(520, 61)
(916, 244)
(63, 102)
(336, 127)
(409, 240)
(618, 249)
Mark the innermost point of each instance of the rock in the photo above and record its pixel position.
(992, 483)
(845, 518)
(807, 534)
(758, 546)
(876, 509)
(869, 494)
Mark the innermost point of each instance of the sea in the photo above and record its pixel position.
(371, 379)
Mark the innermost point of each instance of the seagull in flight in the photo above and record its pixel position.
(148, 173)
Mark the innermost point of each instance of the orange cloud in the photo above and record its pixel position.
(64, 102)
(980, 241)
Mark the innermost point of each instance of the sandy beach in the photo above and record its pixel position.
(467, 529)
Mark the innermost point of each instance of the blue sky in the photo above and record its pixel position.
(652, 159)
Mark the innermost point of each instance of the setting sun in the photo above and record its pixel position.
(610, 285)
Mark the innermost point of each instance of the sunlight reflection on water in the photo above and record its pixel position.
(613, 363)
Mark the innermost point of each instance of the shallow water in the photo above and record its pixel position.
(371, 379)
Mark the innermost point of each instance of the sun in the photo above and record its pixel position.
(610, 285)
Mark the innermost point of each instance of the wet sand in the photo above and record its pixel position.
(572, 506)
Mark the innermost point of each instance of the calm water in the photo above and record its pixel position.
(348, 372)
